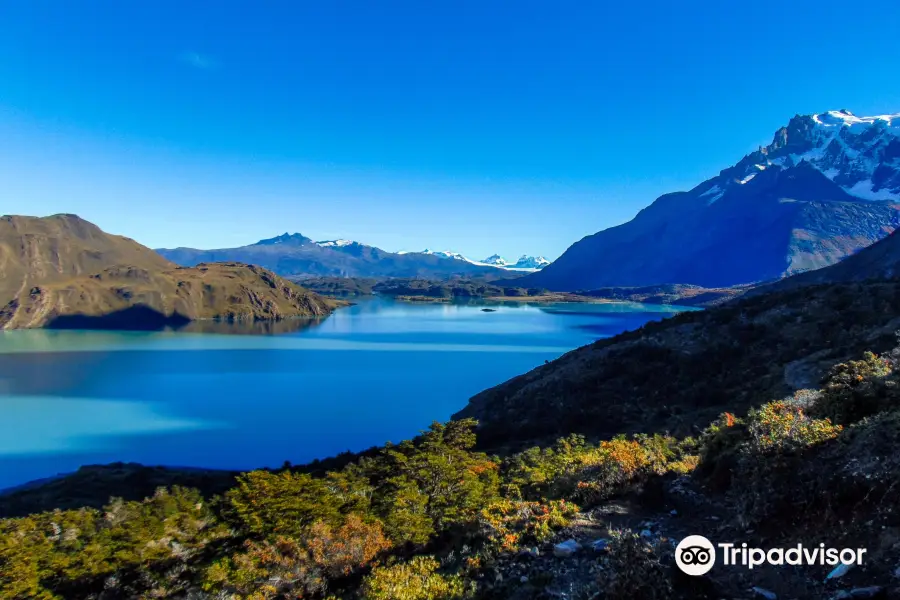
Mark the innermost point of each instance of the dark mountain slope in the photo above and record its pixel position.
(827, 186)
(781, 222)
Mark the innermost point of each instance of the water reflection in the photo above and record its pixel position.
(282, 326)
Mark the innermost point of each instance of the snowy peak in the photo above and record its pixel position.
(531, 262)
(845, 118)
(860, 154)
(449, 254)
(496, 260)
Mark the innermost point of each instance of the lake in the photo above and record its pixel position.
(377, 371)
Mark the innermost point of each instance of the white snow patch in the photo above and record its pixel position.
(335, 243)
(837, 119)
(863, 189)
(713, 190)
(747, 178)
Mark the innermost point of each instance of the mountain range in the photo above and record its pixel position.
(827, 186)
(297, 256)
(525, 263)
(62, 271)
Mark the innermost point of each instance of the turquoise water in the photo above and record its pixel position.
(377, 371)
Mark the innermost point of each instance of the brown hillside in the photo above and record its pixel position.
(62, 271)
(40, 250)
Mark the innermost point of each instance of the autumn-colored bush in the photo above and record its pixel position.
(280, 568)
(417, 579)
(615, 466)
(509, 524)
(589, 473)
(298, 567)
(348, 548)
(857, 389)
(781, 426)
(778, 435)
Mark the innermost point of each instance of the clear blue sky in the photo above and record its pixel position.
(469, 125)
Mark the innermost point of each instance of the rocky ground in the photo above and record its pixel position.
(573, 565)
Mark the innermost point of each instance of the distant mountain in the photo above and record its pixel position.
(496, 260)
(297, 256)
(531, 262)
(525, 262)
(827, 186)
(63, 271)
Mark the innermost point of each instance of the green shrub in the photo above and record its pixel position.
(414, 580)
(281, 504)
(71, 553)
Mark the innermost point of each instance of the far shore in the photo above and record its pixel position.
(542, 298)
(551, 297)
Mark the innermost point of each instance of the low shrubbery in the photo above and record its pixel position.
(632, 569)
(417, 579)
(508, 525)
(590, 473)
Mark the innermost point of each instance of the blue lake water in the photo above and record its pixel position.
(377, 371)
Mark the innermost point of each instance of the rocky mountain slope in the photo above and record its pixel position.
(879, 261)
(62, 271)
(827, 186)
(43, 250)
(295, 255)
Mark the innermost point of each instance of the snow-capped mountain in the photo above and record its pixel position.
(525, 262)
(531, 262)
(496, 260)
(860, 154)
(826, 186)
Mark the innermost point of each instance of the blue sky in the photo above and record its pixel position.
(470, 125)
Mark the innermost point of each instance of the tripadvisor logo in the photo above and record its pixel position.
(696, 555)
